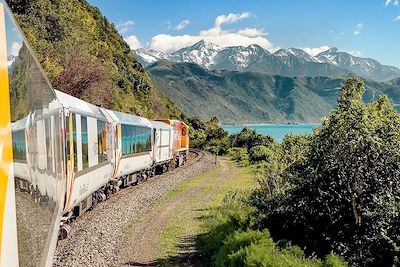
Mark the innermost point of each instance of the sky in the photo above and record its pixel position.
(369, 28)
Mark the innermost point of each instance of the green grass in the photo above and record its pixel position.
(186, 215)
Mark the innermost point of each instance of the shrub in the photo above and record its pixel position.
(345, 195)
(240, 155)
(259, 153)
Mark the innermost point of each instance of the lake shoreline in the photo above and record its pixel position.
(276, 131)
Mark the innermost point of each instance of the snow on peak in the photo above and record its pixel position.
(10, 60)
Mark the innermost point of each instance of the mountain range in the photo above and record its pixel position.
(292, 62)
(255, 97)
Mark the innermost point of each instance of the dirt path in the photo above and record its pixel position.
(149, 240)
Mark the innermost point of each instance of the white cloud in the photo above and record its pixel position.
(133, 42)
(124, 27)
(230, 18)
(387, 2)
(169, 43)
(359, 28)
(397, 18)
(396, 2)
(316, 50)
(15, 47)
(252, 32)
(181, 25)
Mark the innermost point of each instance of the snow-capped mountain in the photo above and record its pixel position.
(238, 57)
(147, 57)
(295, 54)
(11, 63)
(287, 62)
(201, 53)
(365, 67)
(10, 60)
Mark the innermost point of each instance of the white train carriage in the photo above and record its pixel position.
(88, 143)
(163, 143)
(132, 148)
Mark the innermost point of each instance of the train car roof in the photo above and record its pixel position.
(78, 105)
(19, 124)
(172, 122)
(125, 118)
(161, 125)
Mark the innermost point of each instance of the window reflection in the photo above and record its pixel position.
(135, 139)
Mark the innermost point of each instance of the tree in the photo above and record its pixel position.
(346, 193)
(84, 77)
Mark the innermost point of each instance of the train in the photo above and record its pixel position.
(104, 151)
(60, 156)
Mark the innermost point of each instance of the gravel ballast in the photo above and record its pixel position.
(95, 238)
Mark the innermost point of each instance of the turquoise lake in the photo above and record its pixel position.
(277, 131)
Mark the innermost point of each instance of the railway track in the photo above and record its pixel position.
(95, 236)
(194, 156)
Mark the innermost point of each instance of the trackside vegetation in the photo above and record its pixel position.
(327, 199)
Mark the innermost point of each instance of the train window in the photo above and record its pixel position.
(135, 139)
(147, 137)
(102, 140)
(84, 138)
(131, 149)
(19, 147)
(183, 131)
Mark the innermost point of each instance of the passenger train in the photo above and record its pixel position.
(105, 150)
(61, 155)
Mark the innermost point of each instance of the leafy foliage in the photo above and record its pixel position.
(209, 135)
(231, 239)
(343, 194)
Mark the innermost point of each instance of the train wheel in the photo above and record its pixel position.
(65, 230)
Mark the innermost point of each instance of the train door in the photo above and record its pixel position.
(156, 145)
(185, 136)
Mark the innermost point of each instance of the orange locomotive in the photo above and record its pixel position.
(181, 132)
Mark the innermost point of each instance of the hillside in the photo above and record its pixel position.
(84, 55)
(253, 97)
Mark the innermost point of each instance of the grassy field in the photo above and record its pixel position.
(194, 200)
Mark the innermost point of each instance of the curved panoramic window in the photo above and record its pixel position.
(19, 145)
(102, 140)
(135, 139)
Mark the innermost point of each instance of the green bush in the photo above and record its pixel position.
(231, 239)
(240, 155)
(344, 195)
(259, 153)
(249, 138)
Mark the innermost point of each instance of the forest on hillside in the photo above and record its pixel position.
(83, 55)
